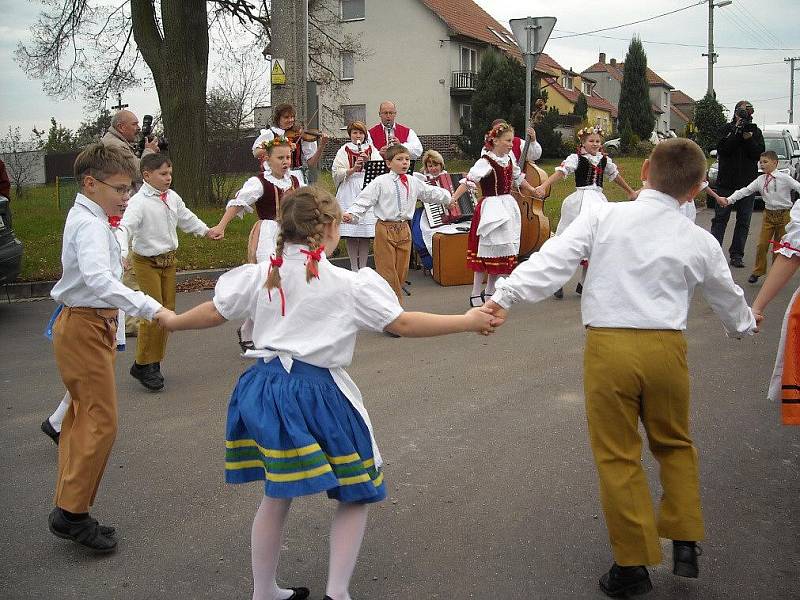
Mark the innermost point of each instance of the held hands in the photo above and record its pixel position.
(216, 232)
(634, 194)
(166, 319)
(498, 313)
(479, 321)
(723, 201)
(540, 191)
(347, 218)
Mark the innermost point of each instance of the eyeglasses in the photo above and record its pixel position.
(122, 190)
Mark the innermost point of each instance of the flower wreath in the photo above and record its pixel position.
(589, 131)
(276, 141)
(498, 129)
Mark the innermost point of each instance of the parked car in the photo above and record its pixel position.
(780, 142)
(10, 246)
(614, 146)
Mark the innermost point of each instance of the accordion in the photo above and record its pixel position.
(439, 215)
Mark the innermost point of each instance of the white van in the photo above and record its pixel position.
(792, 128)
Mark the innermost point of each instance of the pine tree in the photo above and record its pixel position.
(581, 107)
(709, 117)
(634, 99)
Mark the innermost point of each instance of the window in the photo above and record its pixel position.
(566, 82)
(351, 10)
(348, 70)
(465, 113)
(587, 88)
(469, 59)
(664, 99)
(354, 112)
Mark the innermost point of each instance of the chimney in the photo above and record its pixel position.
(603, 58)
(613, 61)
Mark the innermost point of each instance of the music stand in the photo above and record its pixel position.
(375, 168)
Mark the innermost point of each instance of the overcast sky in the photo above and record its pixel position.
(744, 24)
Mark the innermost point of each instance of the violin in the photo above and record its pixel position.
(307, 135)
(535, 224)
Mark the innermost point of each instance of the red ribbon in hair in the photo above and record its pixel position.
(777, 245)
(114, 221)
(277, 263)
(314, 257)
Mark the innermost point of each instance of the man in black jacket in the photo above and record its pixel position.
(739, 146)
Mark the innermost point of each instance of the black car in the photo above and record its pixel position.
(10, 246)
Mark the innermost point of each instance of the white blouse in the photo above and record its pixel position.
(253, 189)
(570, 164)
(482, 168)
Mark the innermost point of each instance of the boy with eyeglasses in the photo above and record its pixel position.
(84, 340)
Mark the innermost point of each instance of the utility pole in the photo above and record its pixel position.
(712, 56)
(290, 43)
(791, 62)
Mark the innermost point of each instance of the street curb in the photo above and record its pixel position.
(39, 290)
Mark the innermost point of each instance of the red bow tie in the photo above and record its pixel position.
(767, 178)
(164, 196)
(114, 222)
(404, 181)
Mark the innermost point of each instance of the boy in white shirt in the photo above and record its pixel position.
(151, 218)
(646, 259)
(394, 196)
(775, 188)
(84, 340)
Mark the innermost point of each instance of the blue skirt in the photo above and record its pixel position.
(299, 434)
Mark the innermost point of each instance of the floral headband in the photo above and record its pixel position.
(275, 142)
(589, 131)
(498, 129)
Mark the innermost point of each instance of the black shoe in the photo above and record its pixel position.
(481, 298)
(86, 532)
(752, 279)
(559, 293)
(50, 431)
(684, 558)
(737, 262)
(300, 593)
(625, 581)
(579, 289)
(392, 335)
(148, 376)
(158, 371)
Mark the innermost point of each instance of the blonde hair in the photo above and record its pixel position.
(303, 215)
(101, 162)
(676, 166)
(432, 156)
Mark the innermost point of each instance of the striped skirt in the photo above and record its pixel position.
(299, 434)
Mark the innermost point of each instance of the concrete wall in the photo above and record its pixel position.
(608, 87)
(657, 93)
(29, 164)
(408, 65)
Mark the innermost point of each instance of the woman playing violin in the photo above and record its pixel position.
(306, 150)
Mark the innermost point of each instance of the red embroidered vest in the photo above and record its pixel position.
(498, 182)
(269, 204)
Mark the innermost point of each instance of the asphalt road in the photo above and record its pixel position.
(493, 493)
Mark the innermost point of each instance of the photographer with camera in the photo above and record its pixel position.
(739, 147)
(122, 134)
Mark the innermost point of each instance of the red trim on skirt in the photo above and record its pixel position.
(494, 265)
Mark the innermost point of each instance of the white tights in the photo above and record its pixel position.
(358, 251)
(477, 283)
(347, 532)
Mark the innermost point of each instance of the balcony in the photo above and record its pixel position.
(462, 83)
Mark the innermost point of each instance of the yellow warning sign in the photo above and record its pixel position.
(279, 71)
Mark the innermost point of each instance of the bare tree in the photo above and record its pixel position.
(21, 158)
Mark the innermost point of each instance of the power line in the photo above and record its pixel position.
(754, 20)
(627, 39)
(778, 62)
(672, 12)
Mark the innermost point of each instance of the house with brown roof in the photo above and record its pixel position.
(422, 54)
(564, 87)
(609, 85)
(683, 102)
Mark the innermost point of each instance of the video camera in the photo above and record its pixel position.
(146, 136)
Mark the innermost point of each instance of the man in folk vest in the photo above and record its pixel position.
(388, 132)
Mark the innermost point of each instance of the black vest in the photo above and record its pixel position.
(586, 174)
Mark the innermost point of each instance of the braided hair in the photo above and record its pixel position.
(303, 215)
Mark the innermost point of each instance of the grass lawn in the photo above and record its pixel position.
(39, 222)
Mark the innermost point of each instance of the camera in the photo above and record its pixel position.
(743, 113)
(146, 136)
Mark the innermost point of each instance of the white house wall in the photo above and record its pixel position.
(408, 65)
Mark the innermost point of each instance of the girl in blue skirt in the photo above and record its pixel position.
(296, 420)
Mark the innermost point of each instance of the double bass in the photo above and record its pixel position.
(535, 224)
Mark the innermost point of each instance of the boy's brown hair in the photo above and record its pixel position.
(770, 154)
(153, 162)
(394, 150)
(676, 166)
(304, 214)
(101, 162)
